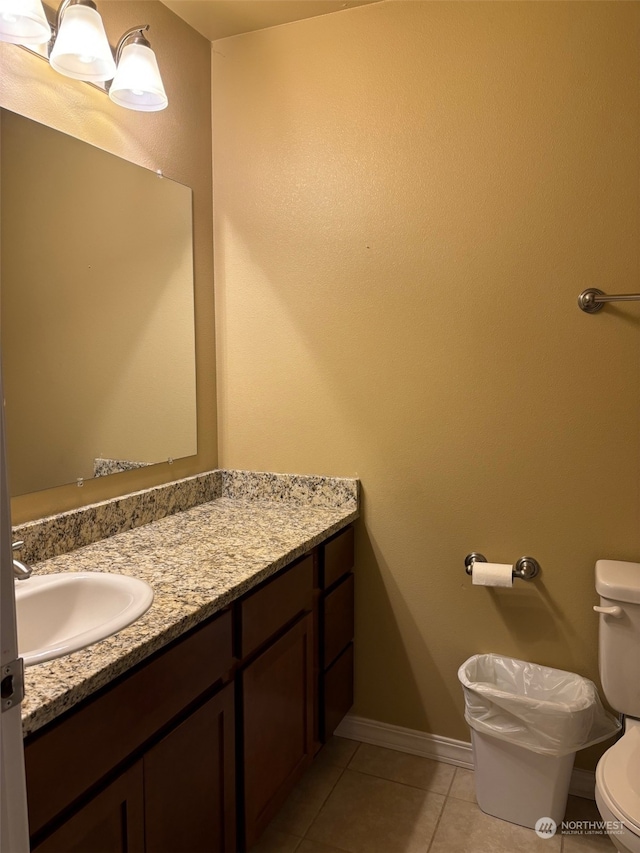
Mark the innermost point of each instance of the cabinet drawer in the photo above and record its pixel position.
(338, 620)
(74, 753)
(270, 608)
(338, 692)
(338, 557)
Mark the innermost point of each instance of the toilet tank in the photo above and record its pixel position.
(618, 584)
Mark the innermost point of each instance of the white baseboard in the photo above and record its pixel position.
(448, 750)
(439, 748)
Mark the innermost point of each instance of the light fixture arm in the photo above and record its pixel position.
(139, 39)
(59, 14)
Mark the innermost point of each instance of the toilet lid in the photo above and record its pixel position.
(618, 778)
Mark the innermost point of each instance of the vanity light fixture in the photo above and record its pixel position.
(79, 48)
(24, 22)
(137, 84)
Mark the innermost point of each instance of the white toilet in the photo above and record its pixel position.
(618, 771)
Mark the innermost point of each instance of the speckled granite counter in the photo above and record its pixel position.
(197, 561)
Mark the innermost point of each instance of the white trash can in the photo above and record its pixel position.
(519, 785)
(527, 723)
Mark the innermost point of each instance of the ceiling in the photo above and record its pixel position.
(217, 19)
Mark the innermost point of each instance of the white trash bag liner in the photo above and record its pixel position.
(546, 710)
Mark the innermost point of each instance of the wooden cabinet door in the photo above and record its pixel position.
(277, 707)
(74, 753)
(189, 780)
(111, 822)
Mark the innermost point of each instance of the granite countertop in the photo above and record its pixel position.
(198, 562)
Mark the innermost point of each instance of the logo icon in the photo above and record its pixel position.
(545, 827)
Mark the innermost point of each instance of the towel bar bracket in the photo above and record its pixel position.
(587, 301)
(593, 300)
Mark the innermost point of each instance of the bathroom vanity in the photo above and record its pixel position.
(195, 737)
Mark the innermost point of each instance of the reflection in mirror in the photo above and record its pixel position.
(96, 296)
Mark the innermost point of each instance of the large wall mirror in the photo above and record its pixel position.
(96, 308)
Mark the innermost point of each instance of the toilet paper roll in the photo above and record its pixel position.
(492, 574)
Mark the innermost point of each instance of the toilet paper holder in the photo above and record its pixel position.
(526, 568)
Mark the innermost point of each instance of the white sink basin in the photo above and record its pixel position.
(58, 614)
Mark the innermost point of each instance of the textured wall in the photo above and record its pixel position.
(409, 198)
(177, 141)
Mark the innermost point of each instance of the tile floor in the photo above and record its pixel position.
(358, 798)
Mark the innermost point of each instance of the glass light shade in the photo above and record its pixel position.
(23, 22)
(81, 49)
(138, 84)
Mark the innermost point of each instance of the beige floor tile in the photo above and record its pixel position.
(401, 767)
(273, 841)
(463, 786)
(582, 809)
(587, 844)
(366, 814)
(463, 828)
(307, 846)
(306, 799)
(338, 751)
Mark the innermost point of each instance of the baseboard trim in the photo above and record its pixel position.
(448, 750)
(439, 748)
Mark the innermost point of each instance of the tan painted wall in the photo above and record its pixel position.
(409, 198)
(177, 141)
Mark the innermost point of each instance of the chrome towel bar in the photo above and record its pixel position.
(526, 568)
(592, 300)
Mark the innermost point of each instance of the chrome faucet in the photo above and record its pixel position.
(21, 570)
